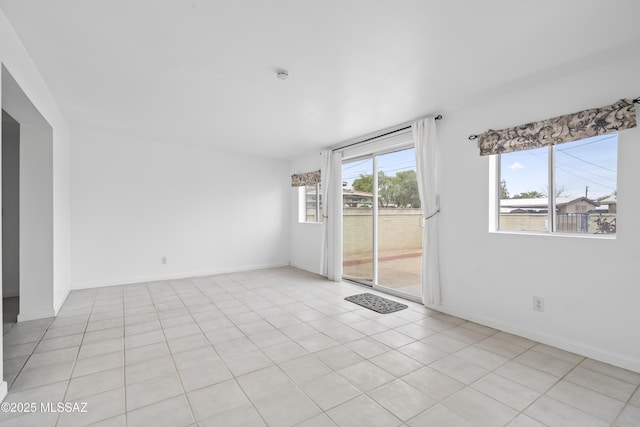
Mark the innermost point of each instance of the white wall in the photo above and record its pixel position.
(36, 225)
(16, 60)
(306, 238)
(10, 207)
(590, 285)
(207, 211)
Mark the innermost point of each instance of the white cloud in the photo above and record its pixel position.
(516, 165)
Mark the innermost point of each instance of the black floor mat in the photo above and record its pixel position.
(376, 303)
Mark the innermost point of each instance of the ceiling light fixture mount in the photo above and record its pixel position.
(283, 74)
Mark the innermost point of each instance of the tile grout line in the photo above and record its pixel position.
(468, 386)
(221, 358)
(77, 354)
(153, 302)
(297, 386)
(626, 405)
(124, 356)
(142, 361)
(171, 354)
(572, 406)
(525, 349)
(275, 365)
(15, 377)
(181, 291)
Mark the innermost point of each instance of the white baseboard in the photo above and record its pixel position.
(305, 268)
(174, 276)
(562, 343)
(25, 317)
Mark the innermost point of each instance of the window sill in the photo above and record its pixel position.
(547, 234)
(309, 222)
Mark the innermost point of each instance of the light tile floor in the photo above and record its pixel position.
(280, 347)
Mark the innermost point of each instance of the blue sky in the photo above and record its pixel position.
(389, 163)
(588, 162)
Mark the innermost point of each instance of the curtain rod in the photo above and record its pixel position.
(474, 137)
(438, 117)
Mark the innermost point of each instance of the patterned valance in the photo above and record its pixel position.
(567, 128)
(302, 179)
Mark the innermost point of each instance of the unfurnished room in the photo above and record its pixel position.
(320, 213)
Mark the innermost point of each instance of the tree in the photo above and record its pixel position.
(400, 191)
(404, 190)
(504, 193)
(533, 194)
(384, 189)
(364, 183)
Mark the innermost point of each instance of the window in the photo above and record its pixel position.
(310, 203)
(568, 188)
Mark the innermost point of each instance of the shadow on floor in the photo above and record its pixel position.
(10, 308)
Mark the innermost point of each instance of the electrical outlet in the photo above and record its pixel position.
(538, 304)
(164, 259)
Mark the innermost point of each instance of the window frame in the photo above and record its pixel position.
(495, 177)
(302, 204)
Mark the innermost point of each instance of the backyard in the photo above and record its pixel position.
(399, 247)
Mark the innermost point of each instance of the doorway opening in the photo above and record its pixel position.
(10, 221)
(27, 224)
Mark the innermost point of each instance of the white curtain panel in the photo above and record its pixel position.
(333, 227)
(325, 173)
(424, 135)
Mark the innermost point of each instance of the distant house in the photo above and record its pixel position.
(356, 199)
(350, 199)
(540, 205)
(608, 204)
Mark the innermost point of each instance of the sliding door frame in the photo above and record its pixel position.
(374, 154)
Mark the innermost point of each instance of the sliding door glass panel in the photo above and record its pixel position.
(357, 220)
(399, 237)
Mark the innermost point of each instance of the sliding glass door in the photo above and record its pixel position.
(357, 220)
(382, 234)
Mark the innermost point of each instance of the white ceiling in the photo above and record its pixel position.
(204, 71)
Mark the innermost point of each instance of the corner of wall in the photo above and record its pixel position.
(3, 390)
(57, 305)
